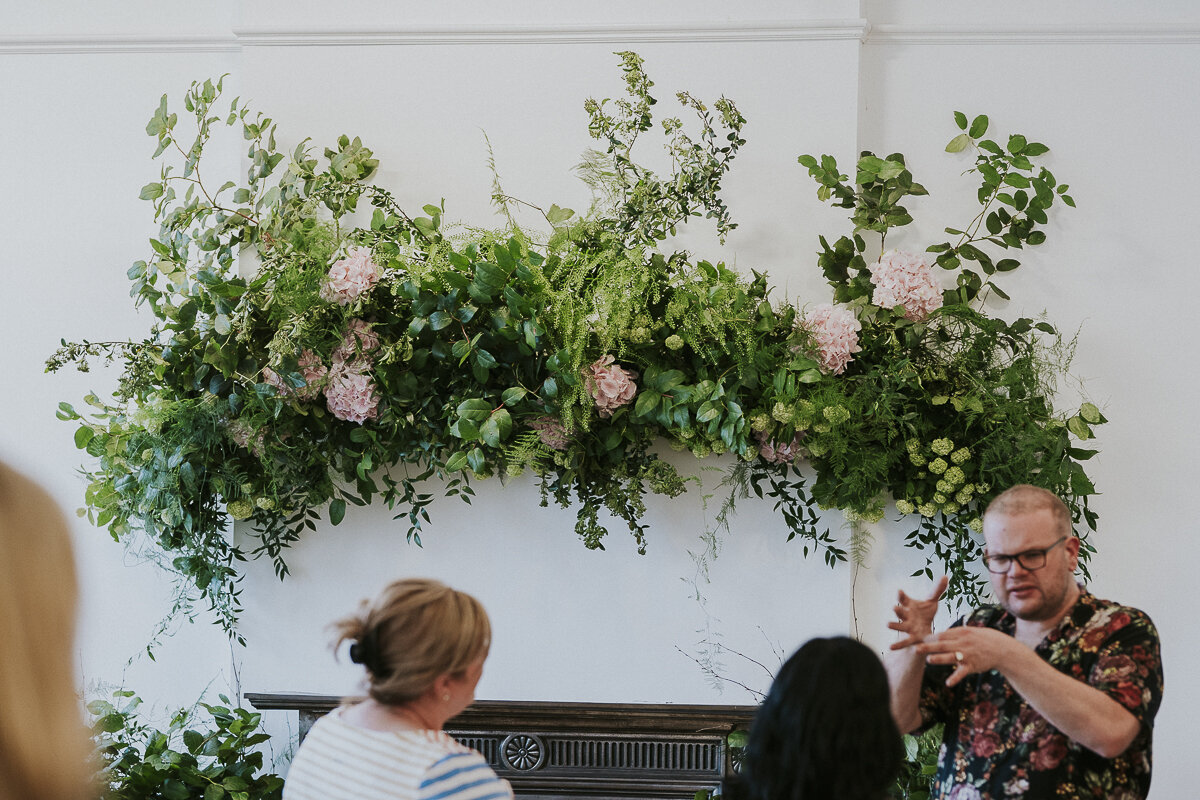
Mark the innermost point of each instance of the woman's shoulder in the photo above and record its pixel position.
(460, 773)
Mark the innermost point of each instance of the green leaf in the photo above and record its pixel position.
(151, 191)
(439, 320)
(960, 119)
(958, 143)
(646, 403)
(337, 511)
(1091, 413)
(979, 126)
(456, 462)
(497, 427)
(510, 397)
(83, 436)
(1079, 427)
(474, 409)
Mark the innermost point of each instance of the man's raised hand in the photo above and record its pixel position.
(915, 617)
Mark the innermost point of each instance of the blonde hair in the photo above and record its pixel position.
(45, 753)
(1025, 498)
(415, 631)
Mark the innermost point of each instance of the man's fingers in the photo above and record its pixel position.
(903, 643)
(942, 583)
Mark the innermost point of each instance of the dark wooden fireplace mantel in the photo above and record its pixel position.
(550, 750)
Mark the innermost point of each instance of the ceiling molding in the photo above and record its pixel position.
(1163, 33)
(760, 31)
(632, 34)
(119, 44)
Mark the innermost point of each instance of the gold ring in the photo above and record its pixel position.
(958, 656)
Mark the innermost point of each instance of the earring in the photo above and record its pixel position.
(446, 698)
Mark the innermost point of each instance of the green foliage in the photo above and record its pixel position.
(915, 780)
(213, 758)
(476, 354)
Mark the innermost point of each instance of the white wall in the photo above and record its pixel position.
(1108, 89)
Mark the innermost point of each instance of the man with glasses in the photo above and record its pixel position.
(1052, 692)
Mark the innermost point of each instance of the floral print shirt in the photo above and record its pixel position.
(995, 746)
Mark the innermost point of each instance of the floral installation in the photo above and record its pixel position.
(388, 360)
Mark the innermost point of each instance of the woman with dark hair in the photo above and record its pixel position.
(423, 645)
(825, 729)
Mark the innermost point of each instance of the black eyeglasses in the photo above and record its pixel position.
(1030, 559)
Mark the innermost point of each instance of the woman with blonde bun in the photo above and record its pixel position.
(423, 645)
(45, 753)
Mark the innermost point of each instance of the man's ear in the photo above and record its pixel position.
(1072, 545)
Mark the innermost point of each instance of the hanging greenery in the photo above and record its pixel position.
(390, 360)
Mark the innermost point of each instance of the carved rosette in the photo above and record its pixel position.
(523, 752)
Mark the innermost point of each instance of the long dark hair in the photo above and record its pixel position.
(825, 729)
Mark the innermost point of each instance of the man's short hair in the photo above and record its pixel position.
(1025, 498)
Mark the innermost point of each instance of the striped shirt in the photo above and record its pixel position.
(340, 761)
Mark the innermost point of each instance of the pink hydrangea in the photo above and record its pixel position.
(314, 372)
(835, 330)
(905, 279)
(775, 452)
(350, 277)
(244, 436)
(611, 386)
(357, 339)
(351, 394)
(551, 431)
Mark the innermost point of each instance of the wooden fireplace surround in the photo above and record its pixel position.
(556, 751)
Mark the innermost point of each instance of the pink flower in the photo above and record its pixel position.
(244, 436)
(774, 452)
(350, 277)
(611, 386)
(311, 369)
(358, 339)
(836, 332)
(314, 372)
(1049, 752)
(551, 431)
(904, 279)
(351, 394)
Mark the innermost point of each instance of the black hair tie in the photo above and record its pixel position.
(356, 653)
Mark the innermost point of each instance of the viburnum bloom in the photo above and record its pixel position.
(357, 339)
(351, 394)
(835, 329)
(905, 279)
(551, 432)
(350, 277)
(610, 385)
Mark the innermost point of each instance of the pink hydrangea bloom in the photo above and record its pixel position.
(351, 394)
(244, 436)
(836, 330)
(350, 277)
(357, 339)
(551, 431)
(314, 372)
(611, 386)
(905, 279)
(776, 452)
(273, 378)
